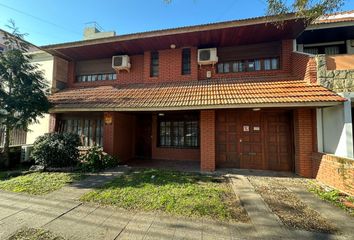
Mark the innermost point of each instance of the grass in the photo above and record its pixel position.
(38, 183)
(176, 193)
(34, 234)
(333, 196)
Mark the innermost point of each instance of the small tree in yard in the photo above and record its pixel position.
(23, 89)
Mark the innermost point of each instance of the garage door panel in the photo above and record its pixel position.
(256, 140)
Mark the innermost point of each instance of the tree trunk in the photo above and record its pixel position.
(6, 150)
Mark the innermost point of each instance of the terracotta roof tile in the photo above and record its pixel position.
(192, 95)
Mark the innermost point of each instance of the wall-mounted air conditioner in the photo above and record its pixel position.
(207, 56)
(121, 62)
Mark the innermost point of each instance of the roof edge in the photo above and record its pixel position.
(209, 107)
(178, 30)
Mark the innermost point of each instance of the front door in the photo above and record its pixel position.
(250, 140)
(279, 141)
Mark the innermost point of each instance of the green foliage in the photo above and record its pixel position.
(39, 183)
(56, 150)
(95, 160)
(333, 196)
(176, 193)
(307, 9)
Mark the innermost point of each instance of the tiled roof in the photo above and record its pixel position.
(193, 95)
(347, 16)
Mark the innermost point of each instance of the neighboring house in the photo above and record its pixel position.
(331, 39)
(44, 62)
(229, 94)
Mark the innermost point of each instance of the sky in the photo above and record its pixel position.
(57, 21)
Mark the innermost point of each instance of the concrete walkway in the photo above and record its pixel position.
(62, 213)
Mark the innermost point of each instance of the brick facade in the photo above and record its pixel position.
(108, 134)
(334, 171)
(207, 140)
(304, 141)
(170, 68)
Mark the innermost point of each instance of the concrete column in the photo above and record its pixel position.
(52, 122)
(207, 140)
(347, 134)
(319, 119)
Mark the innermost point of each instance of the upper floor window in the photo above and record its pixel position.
(326, 49)
(186, 61)
(249, 65)
(271, 64)
(96, 77)
(154, 64)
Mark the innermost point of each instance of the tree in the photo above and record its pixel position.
(307, 9)
(23, 89)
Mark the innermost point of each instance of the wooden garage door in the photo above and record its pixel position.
(254, 140)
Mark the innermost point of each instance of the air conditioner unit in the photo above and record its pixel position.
(25, 153)
(121, 62)
(207, 56)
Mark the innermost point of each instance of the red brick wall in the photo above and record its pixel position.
(304, 141)
(207, 140)
(283, 72)
(170, 153)
(304, 67)
(334, 171)
(108, 134)
(170, 66)
(124, 132)
(170, 61)
(118, 137)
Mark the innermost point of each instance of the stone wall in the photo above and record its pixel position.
(336, 80)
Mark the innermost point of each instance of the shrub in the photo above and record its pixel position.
(95, 160)
(56, 150)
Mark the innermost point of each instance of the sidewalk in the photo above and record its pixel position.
(62, 213)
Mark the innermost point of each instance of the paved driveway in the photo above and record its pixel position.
(61, 213)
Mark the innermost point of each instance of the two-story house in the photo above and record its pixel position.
(230, 94)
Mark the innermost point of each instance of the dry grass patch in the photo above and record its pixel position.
(34, 234)
(288, 207)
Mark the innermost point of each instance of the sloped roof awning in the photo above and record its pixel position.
(194, 95)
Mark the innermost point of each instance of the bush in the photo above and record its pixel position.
(95, 160)
(56, 150)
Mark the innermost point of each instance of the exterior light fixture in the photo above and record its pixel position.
(161, 114)
(256, 109)
(173, 46)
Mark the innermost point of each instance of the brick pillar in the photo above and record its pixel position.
(304, 141)
(52, 122)
(207, 140)
(108, 133)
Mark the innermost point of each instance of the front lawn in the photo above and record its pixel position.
(38, 183)
(176, 193)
